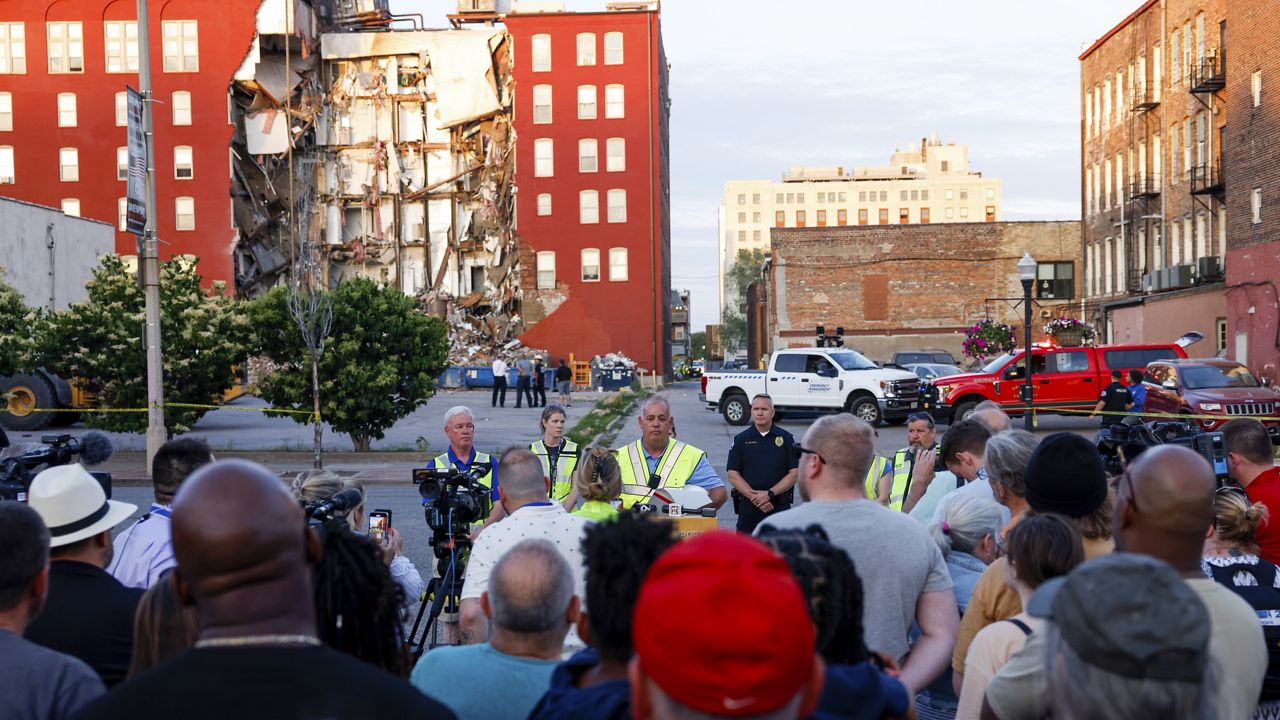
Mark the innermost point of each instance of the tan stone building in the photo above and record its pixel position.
(1152, 178)
(911, 287)
(928, 184)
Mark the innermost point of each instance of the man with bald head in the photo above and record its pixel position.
(659, 460)
(530, 604)
(525, 497)
(244, 550)
(1163, 509)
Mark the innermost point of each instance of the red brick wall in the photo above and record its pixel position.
(1253, 134)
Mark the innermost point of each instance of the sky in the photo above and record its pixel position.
(760, 85)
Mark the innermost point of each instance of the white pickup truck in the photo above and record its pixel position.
(815, 380)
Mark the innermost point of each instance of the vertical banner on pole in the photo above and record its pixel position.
(136, 194)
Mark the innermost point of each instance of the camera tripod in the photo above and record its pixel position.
(444, 592)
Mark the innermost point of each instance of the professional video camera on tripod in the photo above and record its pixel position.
(20, 467)
(452, 501)
(1119, 444)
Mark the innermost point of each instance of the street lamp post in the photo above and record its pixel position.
(1027, 274)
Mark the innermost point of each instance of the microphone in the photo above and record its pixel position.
(339, 503)
(94, 448)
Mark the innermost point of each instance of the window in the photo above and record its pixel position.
(862, 216)
(991, 193)
(185, 211)
(822, 197)
(915, 196)
(1255, 205)
(615, 155)
(588, 156)
(924, 214)
(122, 214)
(991, 213)
(66, 109)
(588, 207)
(122, 109)
(903, 195)
(1175, 62)
(6, 112)
(778, 198)
(13, 48)
(884, 216)
(183, 163)
(590, 265)
(541, 53)
(617, 264)
(841, 196)
(755, 198)
(822, 218)
(799, 197)
(121, 45)
(613, 101)
(862, 196)
(613, 48)
(755, 235)
(546, 270)
(122, 163)
(586, 48)
(66, 47)
(1220, 334)
(794, 362)
(800, 218)
(742, 217)
(541, 104)
(542, 163)
(617, 200)
(742, 198)
(949, 214)
(1055, 280)
(755, 217)
(71, 206)
(964, 213)
(181, 107)
(924, 195)
(904, 216)
(586, 102)
(742, 236)
(780, 218)
(180, 46)
(1256, 86)
(842, 217)
(544, 203)
(68, 164)
(6, 165)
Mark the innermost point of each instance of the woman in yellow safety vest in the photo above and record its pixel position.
(598, 481)
(558, 455)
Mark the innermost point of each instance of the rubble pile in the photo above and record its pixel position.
(613, 360)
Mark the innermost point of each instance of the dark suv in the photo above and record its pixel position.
(1210, 387)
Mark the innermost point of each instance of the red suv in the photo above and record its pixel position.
(1209, 387)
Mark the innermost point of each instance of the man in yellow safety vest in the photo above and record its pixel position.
(460, 427)
(895, 479)
(658, 460)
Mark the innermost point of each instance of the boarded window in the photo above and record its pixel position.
(875, 297)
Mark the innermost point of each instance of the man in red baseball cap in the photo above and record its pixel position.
(721, 628)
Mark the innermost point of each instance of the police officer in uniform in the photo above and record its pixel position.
(460, 427)
(558, 455)
(658, 460)
(762, 467)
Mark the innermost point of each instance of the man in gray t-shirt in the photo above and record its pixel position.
(904, 577)
(524, 375)
(35, 682)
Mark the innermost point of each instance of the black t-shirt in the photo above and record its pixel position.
(563, 373)
(283, 683)
(88, 614)
(1115, 398)
(763, 460)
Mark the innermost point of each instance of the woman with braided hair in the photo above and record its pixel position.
(858, 683)
(598, 481)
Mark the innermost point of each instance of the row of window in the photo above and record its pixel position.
(69, 164)
(585, 44)
(69, 112)
(589, 268)
(863, 196)
(614, 103)
(589, 206)
(924, 215)
(1189, 239)
(1189, 153)
(184, 210)
(588, 156)
(64, 42)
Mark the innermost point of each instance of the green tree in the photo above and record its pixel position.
(380, 362)
(99, 342)
(698, 345)
(733, 316)
(17, 322)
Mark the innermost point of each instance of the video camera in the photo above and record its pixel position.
(1120, 444)
(17, 471)
(322, 511)
(452, 500)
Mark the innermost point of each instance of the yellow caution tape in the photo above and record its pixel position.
(1036, 410)
(315, 416)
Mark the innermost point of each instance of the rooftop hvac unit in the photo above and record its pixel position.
(477, 6)
(1180, 276)
(1147, 283)
(1209, 268)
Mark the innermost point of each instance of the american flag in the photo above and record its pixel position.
(138, 167)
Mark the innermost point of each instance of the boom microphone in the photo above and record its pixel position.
(94, 448)
(339, 503)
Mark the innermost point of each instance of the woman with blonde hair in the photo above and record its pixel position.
(598, 481)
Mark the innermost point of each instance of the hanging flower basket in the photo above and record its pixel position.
(1070, 332)
(987, 338)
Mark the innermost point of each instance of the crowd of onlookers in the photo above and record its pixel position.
(1033, 586)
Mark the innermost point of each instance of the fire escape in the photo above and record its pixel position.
(1207, 181)
(1144, 186)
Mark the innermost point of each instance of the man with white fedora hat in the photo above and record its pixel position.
(88, 613)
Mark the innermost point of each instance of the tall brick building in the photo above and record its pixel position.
(1153, 178)
(908, 287)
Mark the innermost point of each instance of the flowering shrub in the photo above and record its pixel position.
(1070, 324)
(986, 338)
